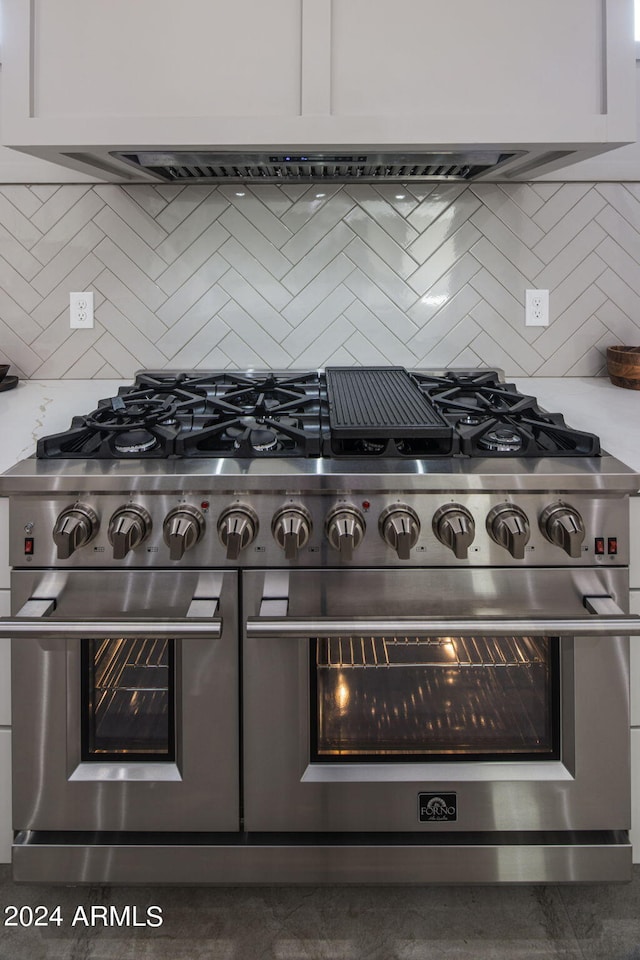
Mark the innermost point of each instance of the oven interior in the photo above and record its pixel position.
(128, 699)
(439, 698)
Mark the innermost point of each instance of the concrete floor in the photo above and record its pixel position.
(336, 923)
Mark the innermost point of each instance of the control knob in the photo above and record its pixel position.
(345, 527)
(237, 528)
(291, 527)
(183, 527)
(454, 526)
(561, 524)
(399, 526)
(75, 527)
(508, 525)
(129, 526)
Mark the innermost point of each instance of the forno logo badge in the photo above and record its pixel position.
(437, 806)
(437, 809)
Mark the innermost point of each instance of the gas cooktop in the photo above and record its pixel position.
(349, 412)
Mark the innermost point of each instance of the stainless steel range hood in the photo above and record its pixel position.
(337, 166)
(341, 164)
(300, 166)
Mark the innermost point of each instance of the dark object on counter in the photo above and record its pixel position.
(6, 383)
(623, 366)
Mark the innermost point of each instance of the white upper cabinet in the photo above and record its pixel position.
(84, 80)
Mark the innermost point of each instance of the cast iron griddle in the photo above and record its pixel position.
(380, 402)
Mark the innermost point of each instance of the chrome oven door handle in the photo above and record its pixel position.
(165, 629)
(613, 622)
(266, 628)
(34, 622)
(30, 625)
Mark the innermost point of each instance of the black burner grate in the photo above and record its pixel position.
(200, 414)
(372, 412)
(492, 419)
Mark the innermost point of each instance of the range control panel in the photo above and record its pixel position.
(206, 528)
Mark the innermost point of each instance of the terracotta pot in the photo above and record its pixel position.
(623, 366)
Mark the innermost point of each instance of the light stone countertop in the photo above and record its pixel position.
(36, 408)
(40, 407)
(595, 405)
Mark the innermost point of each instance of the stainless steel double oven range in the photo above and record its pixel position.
(355, 625)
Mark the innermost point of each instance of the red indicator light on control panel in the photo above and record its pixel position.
(598, 548)
(28, 546)
(612, 546)
(365, 504)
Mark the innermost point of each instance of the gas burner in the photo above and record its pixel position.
(501, 440)
(371, 446)
(470, 420)
(262, 441)
(254, 432)
(120, 426)
(135, 441)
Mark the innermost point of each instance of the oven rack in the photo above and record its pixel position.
(434, 713)
(344, 653)
(132, 664)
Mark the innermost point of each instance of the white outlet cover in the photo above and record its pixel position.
(81, 310)
(536, 308)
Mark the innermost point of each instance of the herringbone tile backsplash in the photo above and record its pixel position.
(304, 276)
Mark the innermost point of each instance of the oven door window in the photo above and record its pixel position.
(435, 699)
(127, 702)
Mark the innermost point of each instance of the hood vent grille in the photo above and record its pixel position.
(206, 167)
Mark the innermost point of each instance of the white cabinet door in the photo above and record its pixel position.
(502, 57)
(195, 58)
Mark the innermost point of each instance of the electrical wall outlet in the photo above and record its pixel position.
(536, 308)
(81, 310)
